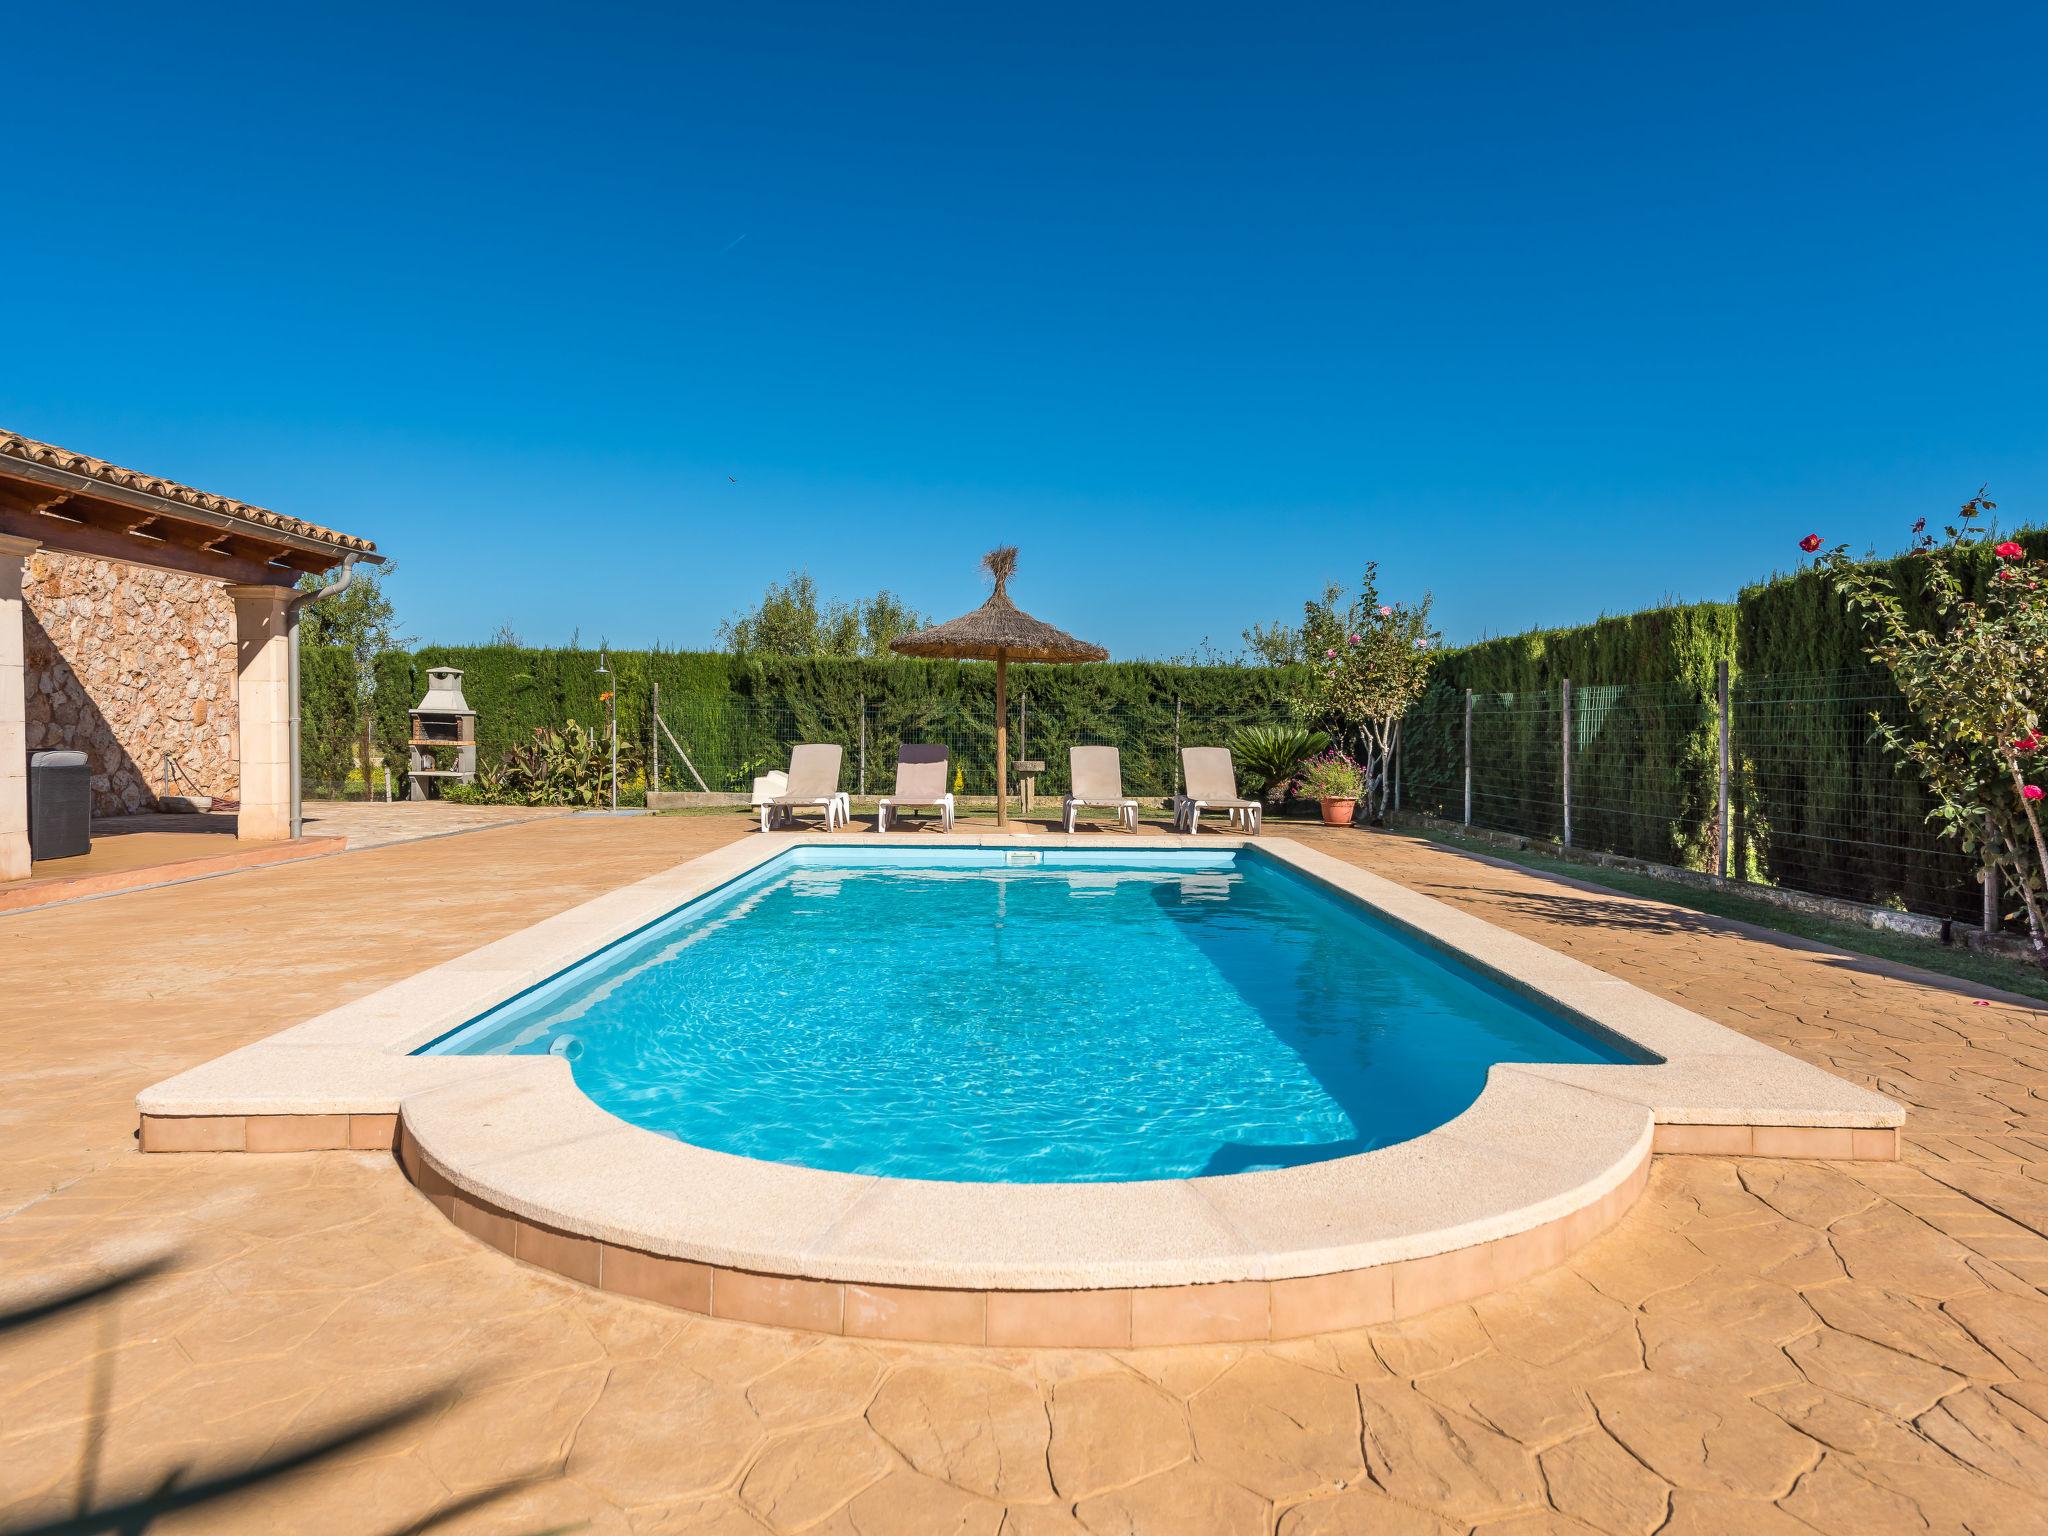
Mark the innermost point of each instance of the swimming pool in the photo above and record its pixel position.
(1030, 1016)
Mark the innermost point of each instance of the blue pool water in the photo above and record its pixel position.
(1084, 1016)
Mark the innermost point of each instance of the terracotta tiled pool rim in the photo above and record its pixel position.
(1547, 1158)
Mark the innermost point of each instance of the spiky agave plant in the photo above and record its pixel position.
(1267, 755)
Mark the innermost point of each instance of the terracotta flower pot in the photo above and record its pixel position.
(1338, 813)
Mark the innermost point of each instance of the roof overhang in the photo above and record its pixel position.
(72, 512)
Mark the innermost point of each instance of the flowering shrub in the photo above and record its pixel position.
(1332, 776)
(1367, 661)
(1976, 679)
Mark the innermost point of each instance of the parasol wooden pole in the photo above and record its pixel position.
(1002, 739)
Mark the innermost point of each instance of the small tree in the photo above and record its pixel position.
(362, 621)
(792, 620)
(1365, 662)
(1975, 676)
(1275, 644)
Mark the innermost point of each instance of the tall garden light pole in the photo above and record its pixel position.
(610, 698)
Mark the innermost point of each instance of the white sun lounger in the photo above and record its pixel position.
(920, 780)
(1097, 776)
(813, 785)
(1212, 786)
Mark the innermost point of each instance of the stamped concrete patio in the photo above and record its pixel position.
(1759, 1347)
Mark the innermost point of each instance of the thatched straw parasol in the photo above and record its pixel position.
(1001, 632)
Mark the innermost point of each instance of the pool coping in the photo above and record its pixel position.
(1545, 1158)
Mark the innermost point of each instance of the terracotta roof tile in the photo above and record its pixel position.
(14, 446)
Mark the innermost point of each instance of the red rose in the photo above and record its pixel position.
(1810, 543)
(2027, 743)
(2031, 791)
(2007, 573)
(2009, 550)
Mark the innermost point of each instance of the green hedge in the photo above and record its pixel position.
(1643, 732)
(1816, 802)
(738, 716)
(329, 730)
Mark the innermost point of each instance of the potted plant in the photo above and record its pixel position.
(1335, 781)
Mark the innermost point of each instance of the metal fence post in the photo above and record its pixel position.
(1565, 744)
(1721, 794)
(863, 745)
(1468, 759)
(1176, 744)
(1992, 919)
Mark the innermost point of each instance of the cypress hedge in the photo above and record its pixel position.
(1816, 802)
(737, 716)
(1643, 732)
(329, 730)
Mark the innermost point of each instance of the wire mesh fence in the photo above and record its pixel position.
(1821, 805)
(1815, 801)
(1643, 772)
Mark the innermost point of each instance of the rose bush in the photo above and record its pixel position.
(1975, 676)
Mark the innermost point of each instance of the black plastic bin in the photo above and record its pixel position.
(59, 805)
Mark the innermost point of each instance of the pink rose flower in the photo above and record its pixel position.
(1386, 612)
(1331, 651)
(1810, 543)
(2007, 573)
(2010, 550)
(2027, 743)
(2031, 791)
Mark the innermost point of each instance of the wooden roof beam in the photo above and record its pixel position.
(33, 500)
(136, 547)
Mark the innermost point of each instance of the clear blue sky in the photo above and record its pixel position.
(599, 318)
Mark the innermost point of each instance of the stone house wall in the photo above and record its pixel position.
(128, 665)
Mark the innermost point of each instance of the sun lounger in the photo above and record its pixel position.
(1212, 786)
(813, 785)
(921, 781)
(1098, 781)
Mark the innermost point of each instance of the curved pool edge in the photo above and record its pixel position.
(1454, 1214)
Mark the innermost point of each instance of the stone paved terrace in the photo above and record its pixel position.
(1760, 1347)
(377, 823)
